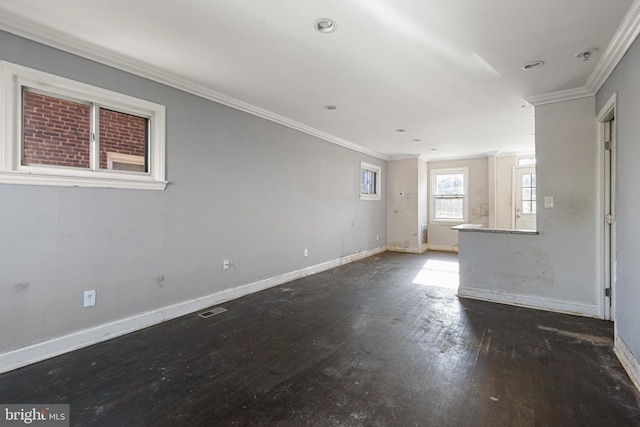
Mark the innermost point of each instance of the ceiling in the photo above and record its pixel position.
(447, 72)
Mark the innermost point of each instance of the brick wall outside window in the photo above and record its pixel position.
(121, 133)
(56, 132)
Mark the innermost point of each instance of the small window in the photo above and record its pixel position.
(62, 132)
(449, 195)
(369, 182)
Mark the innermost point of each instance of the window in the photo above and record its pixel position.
(449, 195)
(61, 132)
(528, 193)
(369, 182)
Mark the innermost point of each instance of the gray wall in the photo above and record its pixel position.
(560, 268)
(625, 80)
(241, 188)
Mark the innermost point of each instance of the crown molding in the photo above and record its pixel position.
(558, 96)
(27, 29)
(619, 45)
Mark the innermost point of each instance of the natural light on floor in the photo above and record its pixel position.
(443, 274)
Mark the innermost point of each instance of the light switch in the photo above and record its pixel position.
(548, 202)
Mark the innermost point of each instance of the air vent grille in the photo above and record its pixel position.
(212, 312)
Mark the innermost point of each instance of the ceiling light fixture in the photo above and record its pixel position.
(533, 65)
(587, 54)
(330, 107)
(416, 140)
(399, 130)
(325, 25)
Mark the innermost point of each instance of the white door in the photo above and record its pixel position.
(525, 197)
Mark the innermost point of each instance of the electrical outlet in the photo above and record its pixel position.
(89, 298)
(548, 202)
(225, 264)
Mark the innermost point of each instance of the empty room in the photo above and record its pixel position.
(319, 213)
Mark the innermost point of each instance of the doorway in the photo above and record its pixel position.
(607, 138)
(524, 195)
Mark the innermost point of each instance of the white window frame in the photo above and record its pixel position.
(378, 171)
(465, 197)
(13, 78)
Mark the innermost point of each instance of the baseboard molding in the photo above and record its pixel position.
(403, 250)
(628, 360)
(442, 248)
(529, 301)
(37, 352)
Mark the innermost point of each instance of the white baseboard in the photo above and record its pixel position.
(403, 250)
(44, 350)
(442, 248)
(530, 301)
(628, 360)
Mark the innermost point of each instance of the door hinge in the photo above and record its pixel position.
(608, 145)
(608, 219)
(608, 292)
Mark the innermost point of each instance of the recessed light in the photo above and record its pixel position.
(399, 130)
(330, 107)
(533, 65)
(434, 149)
(416, 140)
(325, 25)
(587, 54)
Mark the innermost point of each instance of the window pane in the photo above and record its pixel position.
(55, 131)
(526, 207)
(364, 189)
(526, 180)
(450, 183)
(526, 194)
(449, 208)
(533, 193)
(123, 141)
(533, 180)
(372, 182)
(533, 207)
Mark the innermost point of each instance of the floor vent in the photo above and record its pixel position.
(212, 312)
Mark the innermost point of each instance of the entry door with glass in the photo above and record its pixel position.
(525, 197)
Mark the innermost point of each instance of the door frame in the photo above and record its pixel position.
(607, 233)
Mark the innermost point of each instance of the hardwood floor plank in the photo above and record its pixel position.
(366, 344)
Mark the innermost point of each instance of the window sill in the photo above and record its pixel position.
(447, 222)
(144, 183)
(369, 197)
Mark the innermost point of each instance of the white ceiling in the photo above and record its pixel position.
(446, 71)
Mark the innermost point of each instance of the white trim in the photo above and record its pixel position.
(620, 43)
(407, 250)
(37, 352)
(537, 302)
(628, 360)
(558, 96)
(14, 77)
(442, 248)
(24, 28)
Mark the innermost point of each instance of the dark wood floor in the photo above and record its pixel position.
(367, 344)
